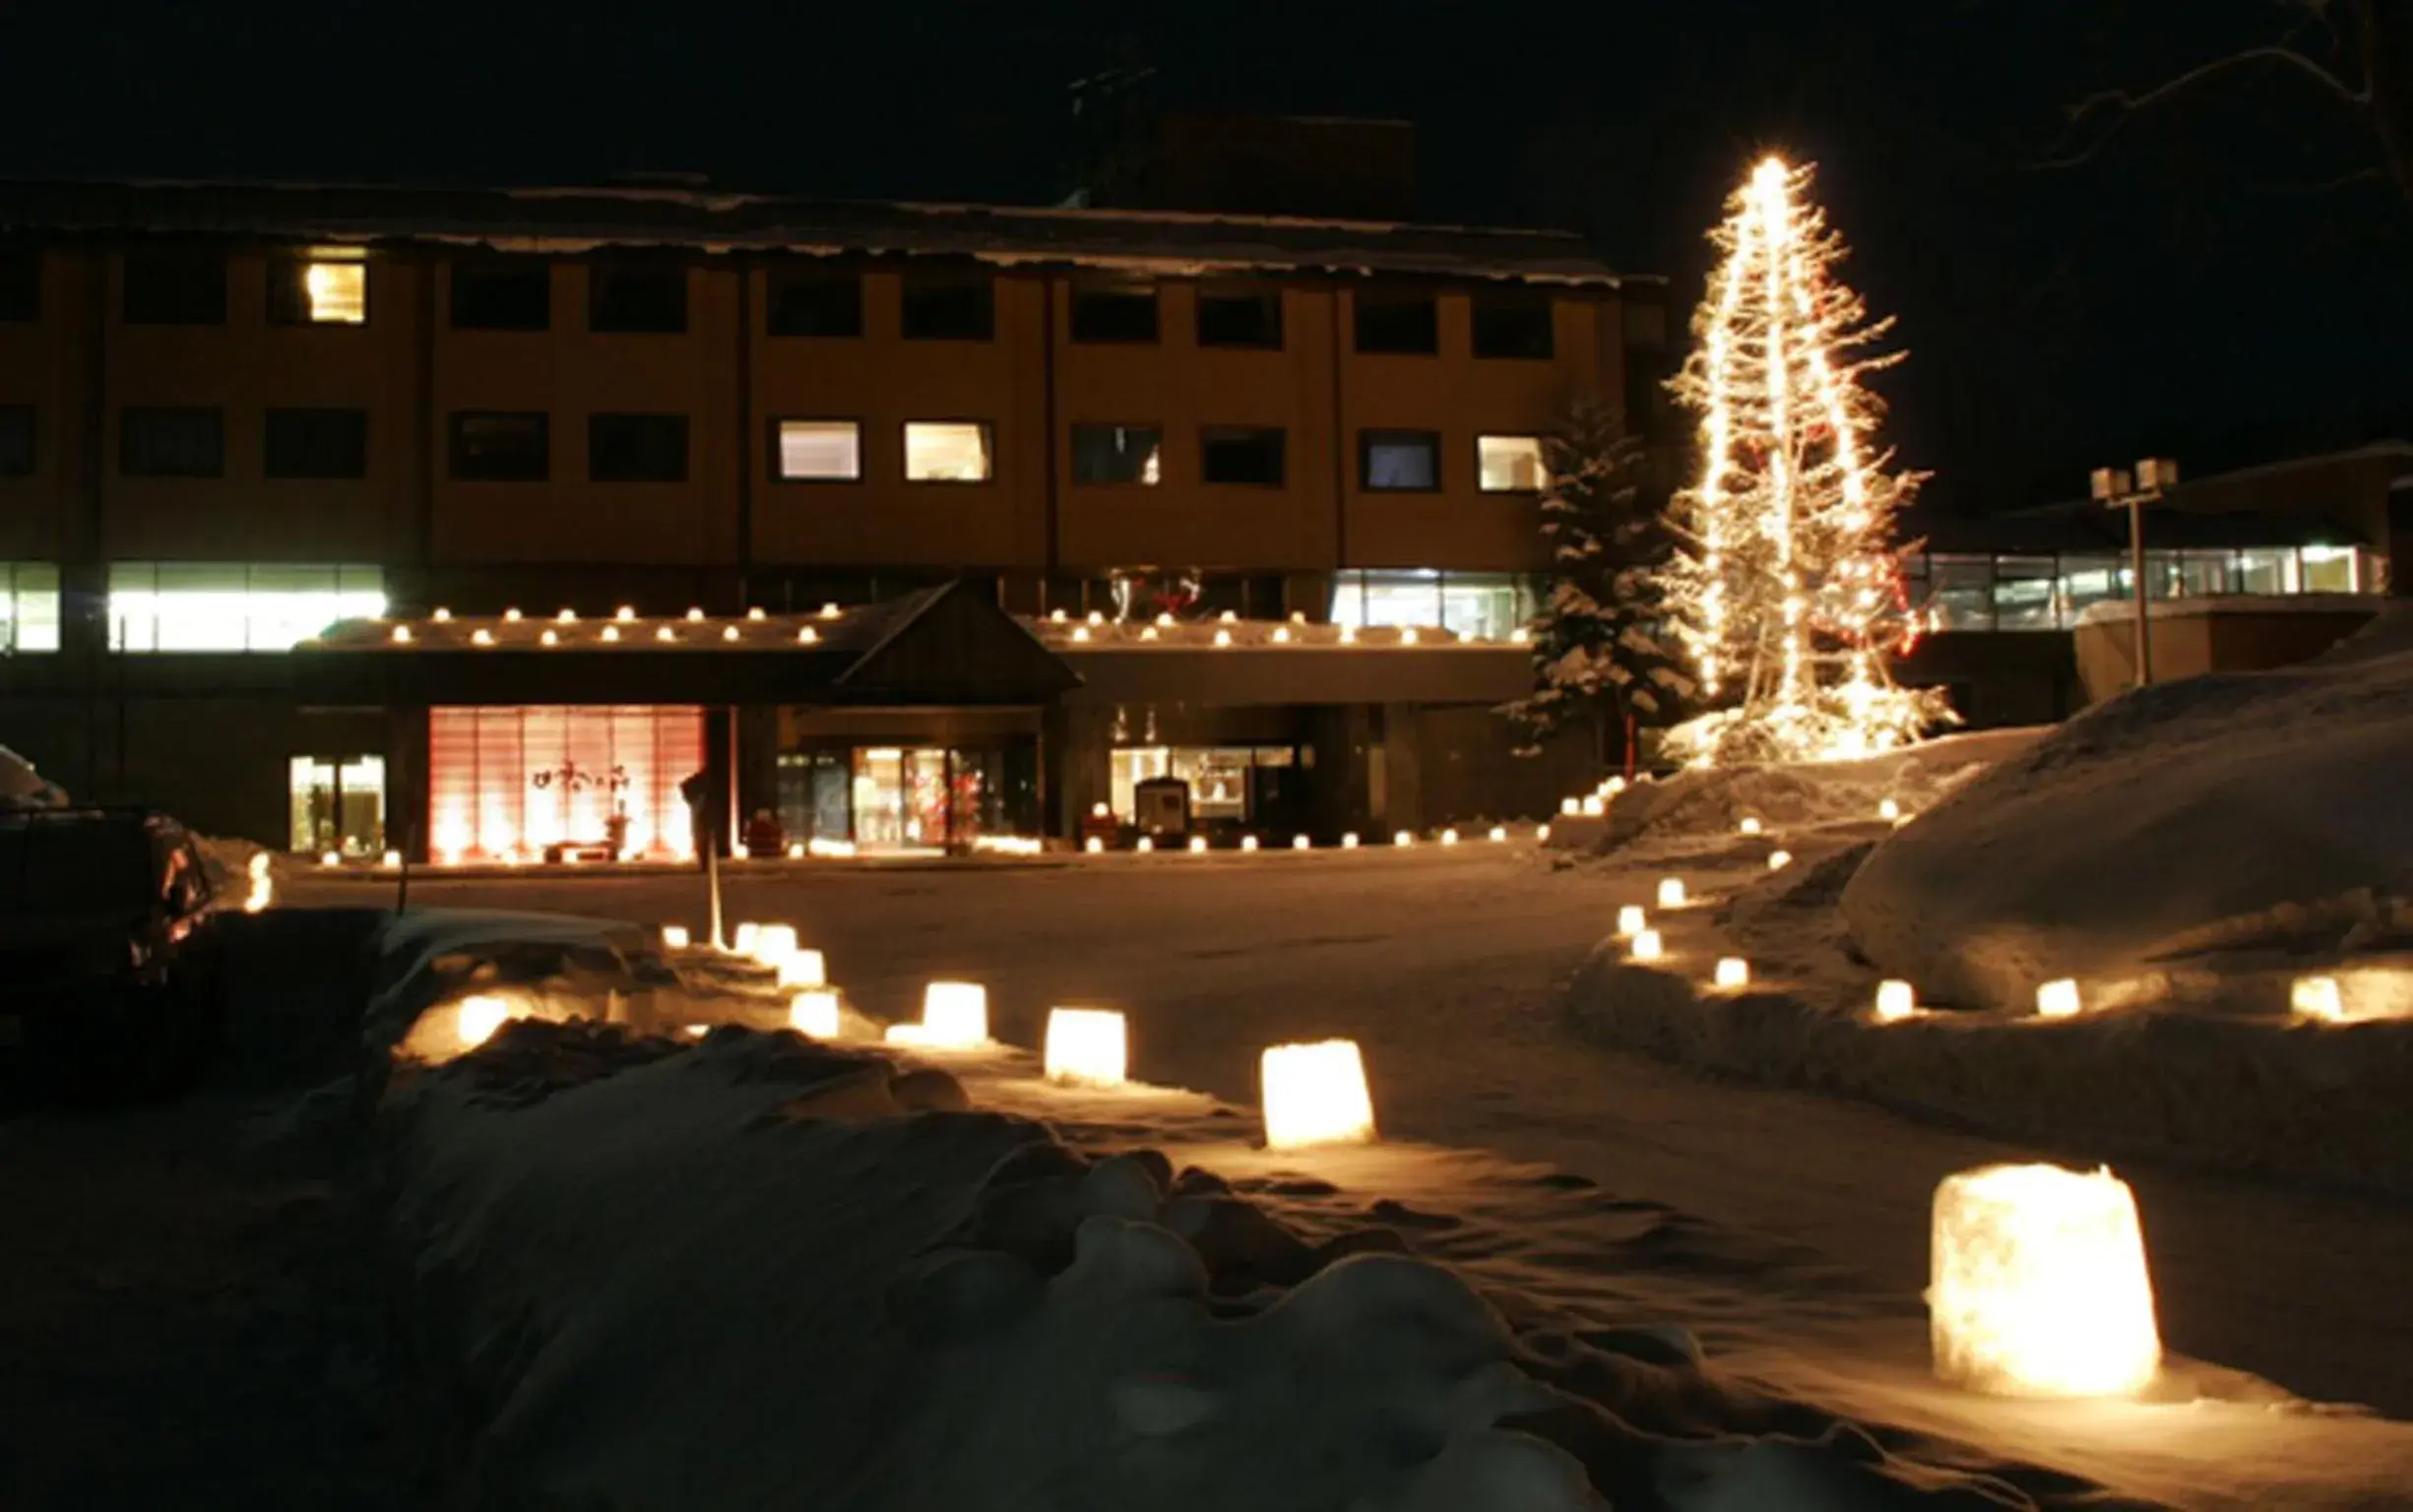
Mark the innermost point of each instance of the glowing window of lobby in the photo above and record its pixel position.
(218, 606)
(338, 804)
(1222, 777)
(536, 782)
(28, 606)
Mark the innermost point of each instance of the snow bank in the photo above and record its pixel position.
(755, 1272)
(2172, 830)
(20, 786)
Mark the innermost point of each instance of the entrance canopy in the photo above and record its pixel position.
(943, 647)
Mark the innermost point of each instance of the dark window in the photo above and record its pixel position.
(1114, 315)
(16, 440)
(815, 301)
(175, 288)
(20, 283)
(315, 443)
(1399, 460)
(637, 447)
(502, 447)
(311, 291)
(950, 308)
(1232, 454)
(1240, 320)
(1512, 324)
(171, 443)
(503, 295)
(1389, 321)
(650, 299)
(1117, 454)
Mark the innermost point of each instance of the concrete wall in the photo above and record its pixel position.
(2209, 639)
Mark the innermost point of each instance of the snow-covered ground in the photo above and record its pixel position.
(1787, 1232)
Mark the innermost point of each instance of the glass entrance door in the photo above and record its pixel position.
(338, 803)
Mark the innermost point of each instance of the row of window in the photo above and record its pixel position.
(2045, 592)
(330, 286)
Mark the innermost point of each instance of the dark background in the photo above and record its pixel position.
(2190, 291)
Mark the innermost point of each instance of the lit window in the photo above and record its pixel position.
(1509, 463)
(2328, 569)
(539, 782)
(946, 452)
(820, 449)
(325, 286)
(168, 607)
(2269, 570)
(1474, 605)
(1117, 454)
(1399, 460)
(336, 803)
(28, 606)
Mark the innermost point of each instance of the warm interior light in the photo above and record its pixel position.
(262, 891)
(796, 850)
(391, 860)
(1896, 1000)
(1733, 971)
(479, 1016)
(1282, 635)
(2316, 998)
(1750, 825)
(814, 1013)
(567, 617)
(1349, 635)
(674, 937)
(1671, 892)
(803, 969)
(955, 1014)
(1778, 860)
(550, 638)
(1093, 845)
(1632, 921)
(2058, 999)
(2039, 1284)
(1080, 635)
(1165, 621)
(1407, 637)
(338, 291)
(1314, 1094)
(1646, 945)
(1089, 1045)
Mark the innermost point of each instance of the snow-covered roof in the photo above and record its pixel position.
(575, 220)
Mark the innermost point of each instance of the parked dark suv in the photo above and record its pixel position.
(107, 940)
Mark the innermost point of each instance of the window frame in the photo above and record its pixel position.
(288, 304)
(1072, 453)
(454, 425)
(495, 265)
(779, 277)
(1379, 297)
(929, 282)
(1209, 434)
(33, 434)
(778, 474)
(1129, 295)
(133, 258)
(20, 583)
(989, 443)
(1540, 453)
(603, 271)
(1370, 437)
(24, 257)
(141, 577)
(597, 423)
(268, 430)
(1521, 300)
(125, 440)
(1269, 298)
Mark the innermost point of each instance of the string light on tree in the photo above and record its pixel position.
(1786, 585)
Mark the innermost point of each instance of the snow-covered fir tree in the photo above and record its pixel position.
(1785, 587)
(1599, 646)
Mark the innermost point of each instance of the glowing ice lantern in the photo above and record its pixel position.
(795, 851)
(1222, 637)
(1315, 1094)
(1593, 809)
(1570, 807)
(479, 1017)
(1646, 945)
(814, 1013)
(742, 943)
(1248, 842)
(803, 969)
(1300, 843)
(1098, 810)
(1499, 833)
(773, 943)
(402, 634)
(1750, 825)
(1733, 974)
(331, 859)
(1896, 1000)
(674, 937)
(2039, 1286)
(1540, 832)
(955, 1014)
(1349, 841)
(1890, 811)
(1630, 920)
(1449, 837)
(2316, 998)
(2058, 999)
(1671, 892)
(1143, 844)
(1778, 860)
(391, 860)
(1093, 845)
(481, 636)
(1089, 1045)
(1197, 843)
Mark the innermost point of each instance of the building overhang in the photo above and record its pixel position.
(1239, 662)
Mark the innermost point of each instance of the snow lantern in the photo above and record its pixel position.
(480, 1014)
(1222, 637)
(1750, 825)
(1315, 1094)
(1349, 841)
(1671, 892)
(1449, 837)
(955, 1013)
(1614, 786)
(1646, 945)
(674, 937)
(1499, 833)
(744, 942)
(2057, 998)
(391, 860)
(1086, 1045)
(1541, 833)
(1093, 845)
(1403, 840)
(796, 850)
(1593, 807)
(803, 967)
(2039, 1284)
(1733, 974)
(1778, 860)
(1098, 810)
(1890, 811)
(773, 943)
(1896, 1000)
(1143, 844)
(2316, 998)
(1570, 807)
(1197, 843)
(1632, 921)
(331, 859)
(1300, 843)
(1248, 842)
(814, 1012)
(263, 887)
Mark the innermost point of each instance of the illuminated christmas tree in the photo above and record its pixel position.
(1786, 588)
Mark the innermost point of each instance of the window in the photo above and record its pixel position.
(647, 298)
(175, 288)
(336, 803)
(1236, 784)
(327, 287)
(16, 440)
(2328, 569)
(2203, 573)
(1476, 605)
(1399, 460)
(816, 302)
(1512, 324)
(526, 783)
(948, 452)
(2269, 570)
(1960, 594)
(1233, 454)
(1117, 454)
(1509, 464)
(2026, 593)
(502, 447)
(503, 294)
(165, 606)
(948, 307)
(20, 283)
(637, 447)
(825, 450)
(28, 606)
(171, 443)
(2087, 580)
(315, 443)
(1114, 315)
(1390, 321)
(1239, 318)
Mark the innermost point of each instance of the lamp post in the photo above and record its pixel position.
(2116, 488)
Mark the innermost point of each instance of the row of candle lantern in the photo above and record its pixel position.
(1402, 840)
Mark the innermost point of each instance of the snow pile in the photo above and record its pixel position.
(2181, 828)
(20, 786)
(757, 1272)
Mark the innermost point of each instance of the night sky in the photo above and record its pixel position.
(2190, 291)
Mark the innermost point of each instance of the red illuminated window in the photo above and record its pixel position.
(528, 784)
